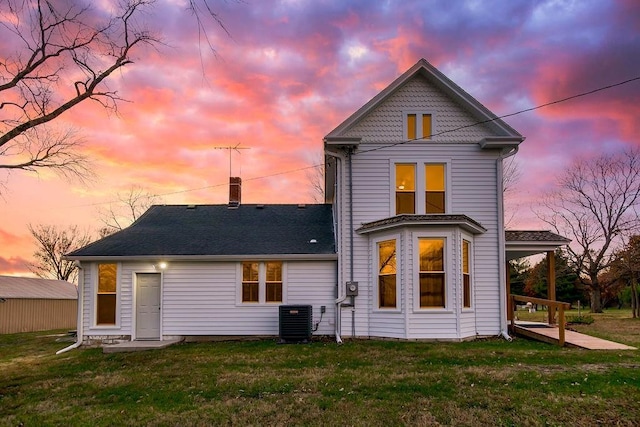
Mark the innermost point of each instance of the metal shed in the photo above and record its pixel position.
(30, 304)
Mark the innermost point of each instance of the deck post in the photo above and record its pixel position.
(561, 324)
(551, 284)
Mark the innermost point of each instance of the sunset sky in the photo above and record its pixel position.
(291, 70)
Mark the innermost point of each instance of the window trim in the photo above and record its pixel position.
(96, 278)
(419, 129)
(420, 190)
(449, 294)
(262, 283)
(375, 258)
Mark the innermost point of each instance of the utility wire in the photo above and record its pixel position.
(526, 110)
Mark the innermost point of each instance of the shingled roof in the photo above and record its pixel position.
(217, 231)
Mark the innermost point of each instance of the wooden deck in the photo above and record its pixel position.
(550, 334)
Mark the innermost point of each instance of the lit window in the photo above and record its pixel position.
(434, 188)
(262, 282)
(387, 274)
(432, 276)
(405, 189)
(274, 282)
(418, 126)
(107, 294)
(466, 274)
(250, 283)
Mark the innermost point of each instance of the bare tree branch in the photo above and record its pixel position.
(52, 244)
(595, 205)
(129, 207)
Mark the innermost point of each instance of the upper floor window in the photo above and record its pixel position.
(107, 295)
(418, 126)
(387, 289)
(434, 188)
(261, 282)
(420, 188)
(432, 272)
(405, 189)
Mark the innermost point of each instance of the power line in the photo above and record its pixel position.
(526, 110)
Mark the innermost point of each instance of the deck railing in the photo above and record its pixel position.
(553, 306)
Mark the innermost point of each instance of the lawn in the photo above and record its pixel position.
(484, 382)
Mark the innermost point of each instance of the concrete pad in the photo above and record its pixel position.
(131, 346)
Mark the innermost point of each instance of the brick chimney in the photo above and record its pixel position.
(235, 191)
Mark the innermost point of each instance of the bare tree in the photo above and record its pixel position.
(510, 178)
(65, 54)
(53, 244)
(595, 204)
(127, 209)
(315, 179)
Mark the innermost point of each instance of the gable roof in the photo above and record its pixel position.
(33, 288)
(505, 134)
(217, 231)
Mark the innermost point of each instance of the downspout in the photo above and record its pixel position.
(340, 296)
(502, 242)
(351, 276)
(79, 332)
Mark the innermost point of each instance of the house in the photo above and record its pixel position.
(410, 243)
(29, 304)
(208, 270)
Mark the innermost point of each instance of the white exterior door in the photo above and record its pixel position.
(148, 306)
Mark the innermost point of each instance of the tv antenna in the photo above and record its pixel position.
(232, 148)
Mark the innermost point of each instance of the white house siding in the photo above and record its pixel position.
(472, 191)
(202, 298)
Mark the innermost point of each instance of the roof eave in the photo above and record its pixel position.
(210, 258)
(466, 224)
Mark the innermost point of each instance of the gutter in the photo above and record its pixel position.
(79, 331)
(502, 243)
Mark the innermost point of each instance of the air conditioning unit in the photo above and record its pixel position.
(295, 323)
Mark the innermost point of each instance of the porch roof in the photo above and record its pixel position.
(523, 243)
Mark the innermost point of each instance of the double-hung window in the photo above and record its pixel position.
(432, 272)
(107, 295)
(466, 274)
(387, 284)
(429, 197)
(405, 188)
(262, 282)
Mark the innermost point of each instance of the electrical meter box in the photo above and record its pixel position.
(352, 289)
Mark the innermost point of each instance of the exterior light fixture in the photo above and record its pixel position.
(162, 265)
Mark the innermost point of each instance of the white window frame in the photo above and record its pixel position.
(420, 197)
(95, 273)
(374, 264)
(469, 239)
(262, 283)
(449, 294)
(419, 130)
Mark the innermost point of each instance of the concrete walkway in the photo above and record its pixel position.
(138, 346)
(546, 333)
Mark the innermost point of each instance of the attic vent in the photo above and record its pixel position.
(302, 206)
(259, 206)
(191, 206)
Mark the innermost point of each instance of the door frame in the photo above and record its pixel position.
(134, 308)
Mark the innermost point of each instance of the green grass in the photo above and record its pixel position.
(489, 382)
